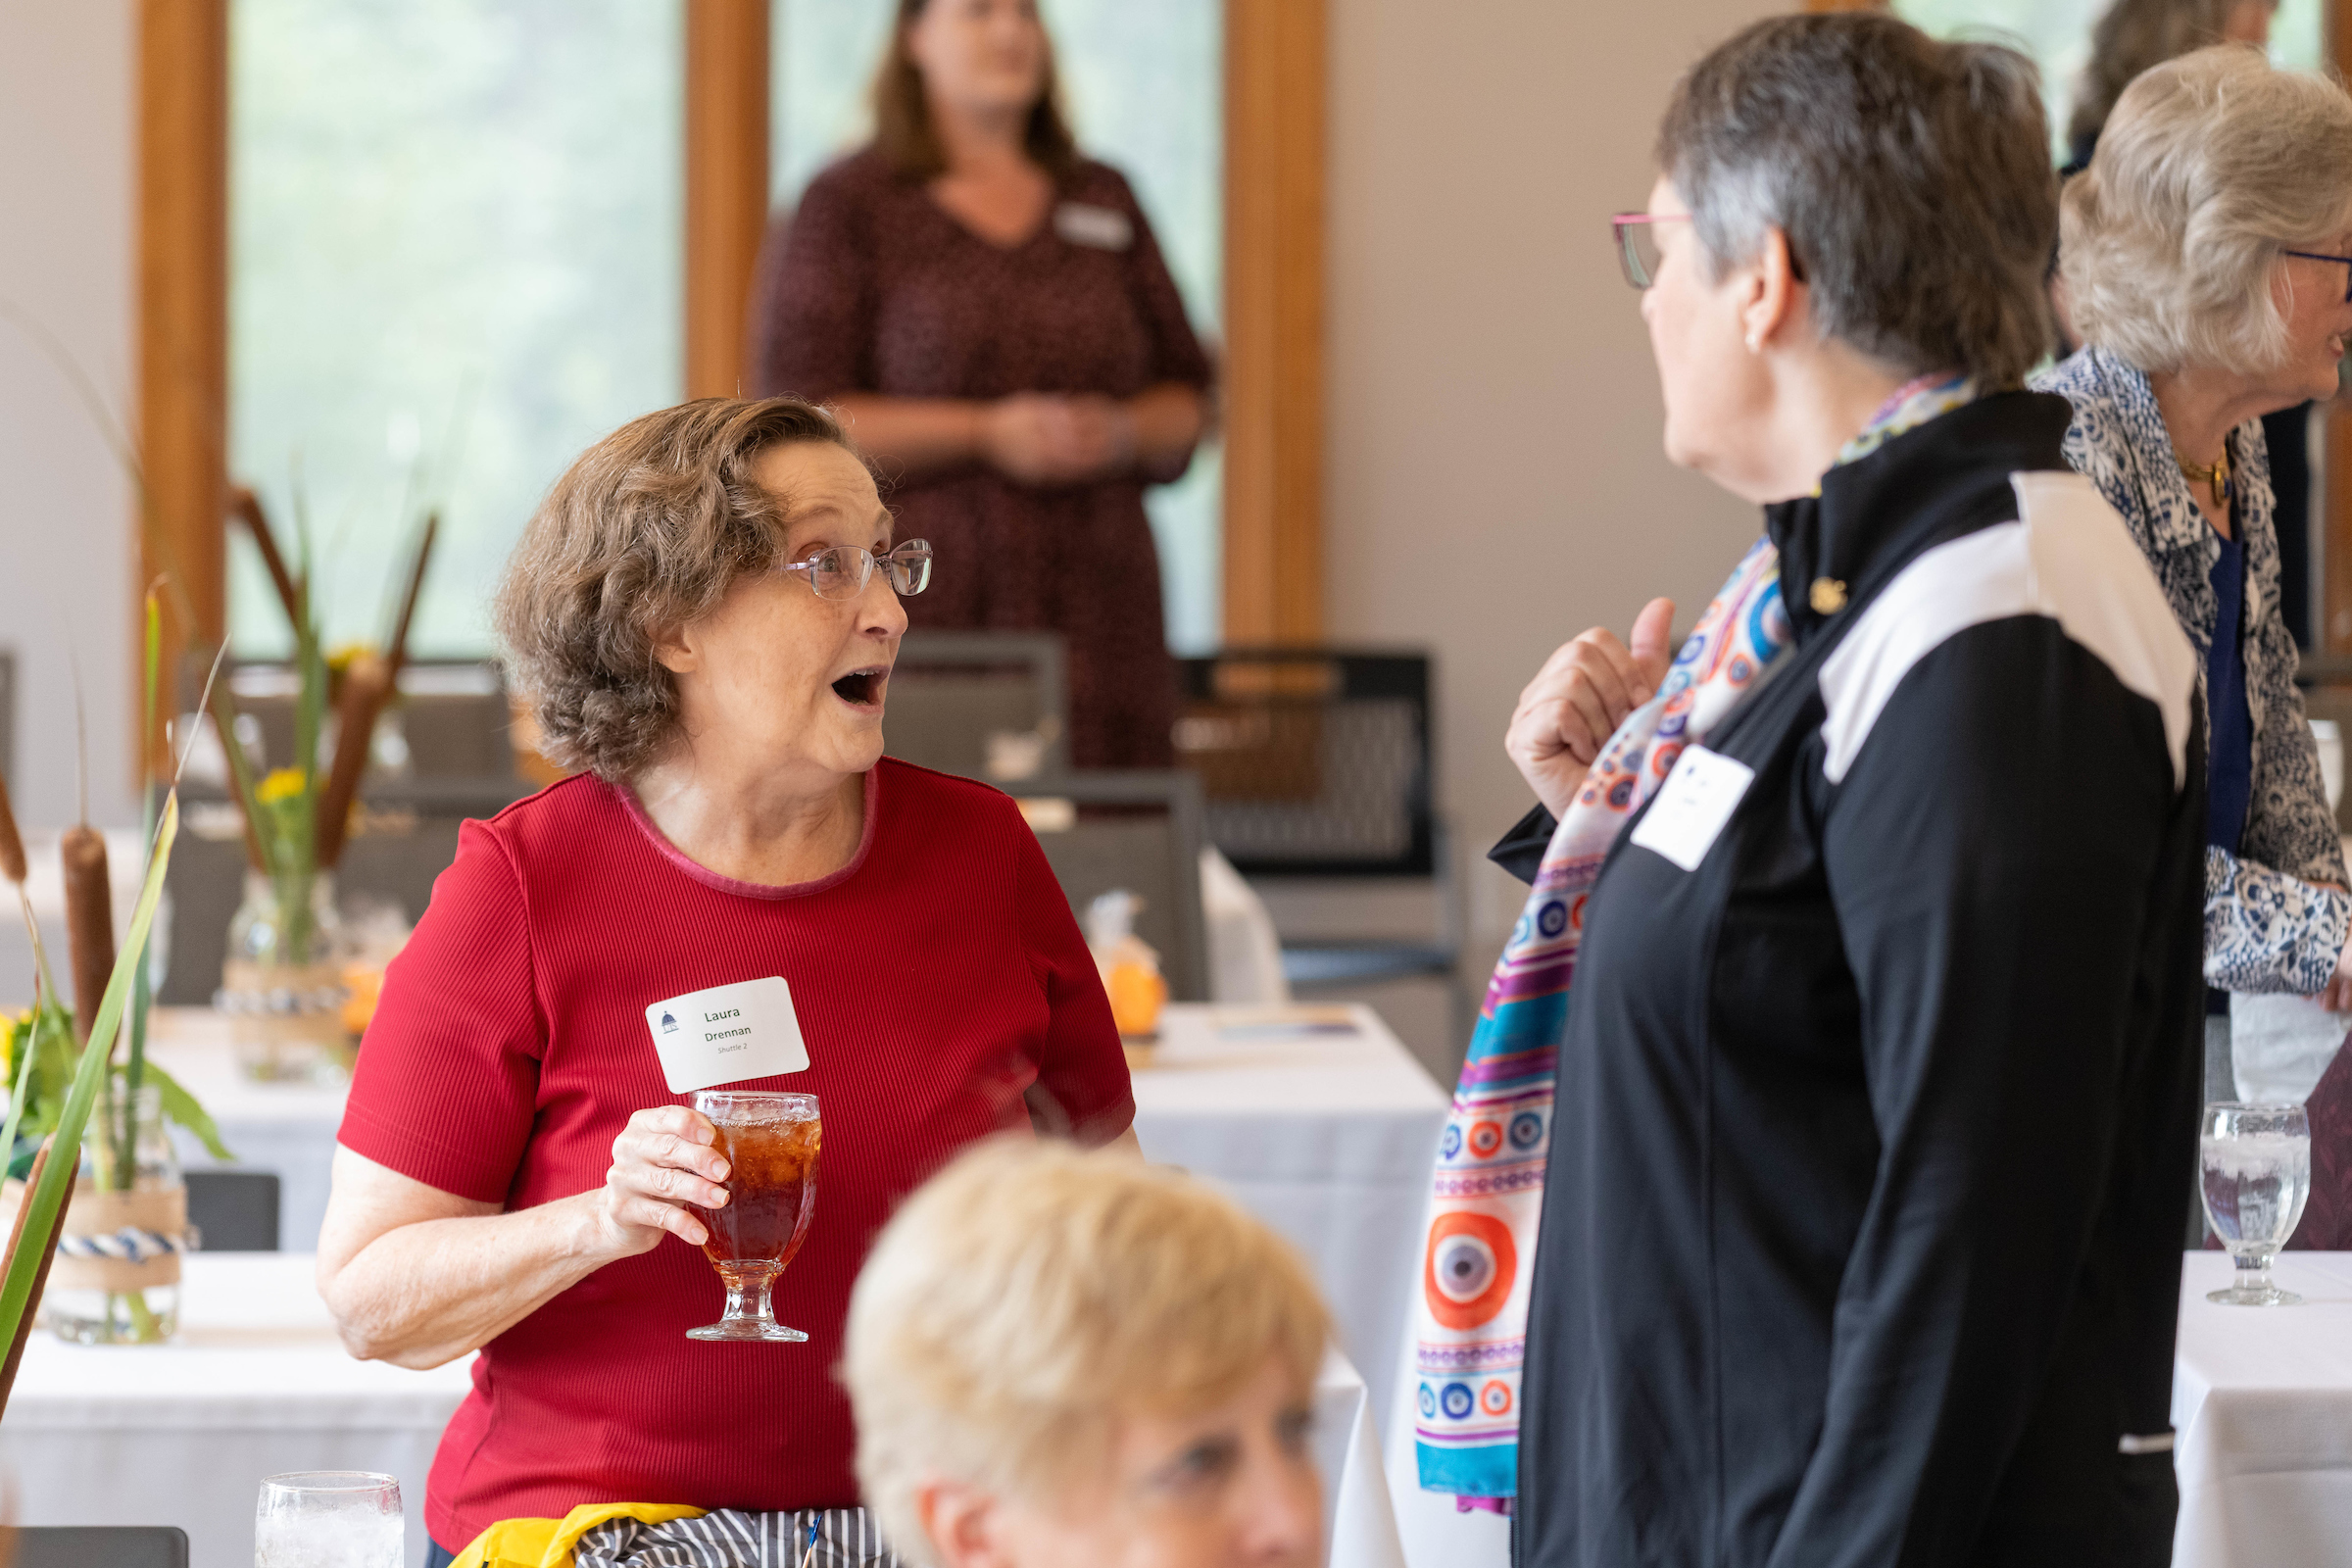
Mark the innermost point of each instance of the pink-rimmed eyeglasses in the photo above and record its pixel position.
(1638, 248)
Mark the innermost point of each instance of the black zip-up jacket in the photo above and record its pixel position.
(1861, 1238)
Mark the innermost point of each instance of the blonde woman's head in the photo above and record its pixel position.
(1057, 1356)
(2172, 243)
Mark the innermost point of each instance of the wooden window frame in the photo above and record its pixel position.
(1272, 397)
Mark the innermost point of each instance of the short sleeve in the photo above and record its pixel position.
(1176, 351)
(1082, 1071)
(815, 296)
(446, 1088)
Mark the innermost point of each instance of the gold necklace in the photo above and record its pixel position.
(2216, 474)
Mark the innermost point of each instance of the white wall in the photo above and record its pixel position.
(1494, 478)
(66, 559)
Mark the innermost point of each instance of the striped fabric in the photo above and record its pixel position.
(845, 1538)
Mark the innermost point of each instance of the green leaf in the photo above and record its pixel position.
(180, 1106)
(41, 1205)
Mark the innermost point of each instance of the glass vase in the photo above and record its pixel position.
(116, 1277)
(281, 985)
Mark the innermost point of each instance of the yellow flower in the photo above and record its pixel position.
(339, 659)
(281, 785)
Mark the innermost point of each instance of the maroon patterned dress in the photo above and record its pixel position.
(872, 287)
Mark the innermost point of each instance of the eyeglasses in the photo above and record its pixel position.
(2322, 256)
(1638, 244)
(842, 570)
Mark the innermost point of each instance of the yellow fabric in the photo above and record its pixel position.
(549, 1542)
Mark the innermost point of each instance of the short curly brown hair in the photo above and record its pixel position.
(645, 532)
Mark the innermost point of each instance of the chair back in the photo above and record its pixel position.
(406, 836)
(1140, 831)
(234, 1210)
(988, 704)
(101, 1547)
(453, 715)
(1315, 761)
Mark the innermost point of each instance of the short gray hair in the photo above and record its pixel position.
(1911, 178)
(2211, 165)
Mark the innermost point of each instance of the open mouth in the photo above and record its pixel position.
(862, 688)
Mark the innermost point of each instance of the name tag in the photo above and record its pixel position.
(1698, 798)
(1104, 229)
(727, 1034)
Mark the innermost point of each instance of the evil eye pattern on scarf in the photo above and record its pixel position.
(1473, 1263)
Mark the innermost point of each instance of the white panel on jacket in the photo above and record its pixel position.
(2068, 557)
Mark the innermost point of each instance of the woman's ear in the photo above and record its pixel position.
(675, 650)
(1773, 292)
(964, 1524)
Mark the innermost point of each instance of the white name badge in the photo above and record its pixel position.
(1102, 228)
(727, 1034)
(1698, 798)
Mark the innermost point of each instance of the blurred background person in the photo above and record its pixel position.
(2131, 36)
(1058, 1361)
(2207, 253)
(990, 313)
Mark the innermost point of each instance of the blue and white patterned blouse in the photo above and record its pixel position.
(2267, 927)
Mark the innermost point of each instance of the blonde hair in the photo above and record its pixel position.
(1031, 1294)
(2211, 165)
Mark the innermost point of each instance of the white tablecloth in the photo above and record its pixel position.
(1326, 1136)
(182, 1434)
(2262, 1401)
(1317, 1119)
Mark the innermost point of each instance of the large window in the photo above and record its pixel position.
(2057, 34)
(1143, 82)
(455, 260)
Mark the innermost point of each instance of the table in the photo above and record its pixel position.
(1321, 1123)
(1317, 1119)
(182, 1434)
(2262, 1401)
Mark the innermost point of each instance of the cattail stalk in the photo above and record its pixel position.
(11, 844)
(89, 921)
(366, 688)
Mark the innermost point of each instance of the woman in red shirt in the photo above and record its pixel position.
(703, 612)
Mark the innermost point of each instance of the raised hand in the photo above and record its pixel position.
(1582, 694)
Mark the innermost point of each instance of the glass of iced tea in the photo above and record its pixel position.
(769, 1143)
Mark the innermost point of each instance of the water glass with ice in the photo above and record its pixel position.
(2254, 1168)
(328, 1519)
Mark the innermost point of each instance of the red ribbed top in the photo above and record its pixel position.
(936, 979)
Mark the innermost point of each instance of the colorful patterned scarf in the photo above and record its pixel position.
(1487, 1195)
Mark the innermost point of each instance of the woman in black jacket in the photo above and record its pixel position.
(1877, 1084)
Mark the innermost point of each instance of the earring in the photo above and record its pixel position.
(1752, 342)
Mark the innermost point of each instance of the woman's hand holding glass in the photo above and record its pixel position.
(1582, 694)
(661, 1161)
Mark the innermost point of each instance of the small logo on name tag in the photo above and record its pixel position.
(1101, 229)
(728, 1034)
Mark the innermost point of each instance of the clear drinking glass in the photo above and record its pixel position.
(328, 1519)
(770, 1146)
(2254, 1165)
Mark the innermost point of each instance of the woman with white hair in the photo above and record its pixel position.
(2206, 254)
(1059, 1362)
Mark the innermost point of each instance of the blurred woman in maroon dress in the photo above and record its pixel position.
(990, 313)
